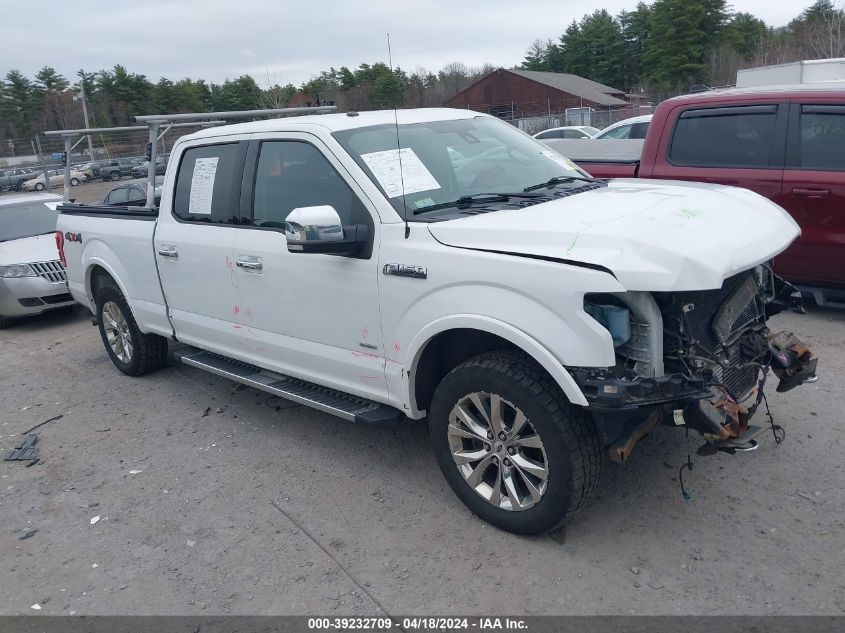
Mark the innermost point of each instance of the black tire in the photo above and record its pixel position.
(149, 351)
(573, 454)
(115, 176)
(74, 182)
(5, 322)
(39, 186)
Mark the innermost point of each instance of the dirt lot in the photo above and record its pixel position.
(218, 500)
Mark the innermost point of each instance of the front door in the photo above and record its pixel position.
(312, 316)
(194, 245)
(814, 194)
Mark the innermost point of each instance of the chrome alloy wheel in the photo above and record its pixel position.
(497, 451)
(117, 331)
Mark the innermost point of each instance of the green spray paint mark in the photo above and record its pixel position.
(688, 214)
(572, 246)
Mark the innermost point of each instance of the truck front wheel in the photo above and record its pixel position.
(510, 444)
(132, 352)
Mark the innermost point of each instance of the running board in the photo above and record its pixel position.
(338, 403)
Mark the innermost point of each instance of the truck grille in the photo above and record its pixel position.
(717, 319)
(51, 271)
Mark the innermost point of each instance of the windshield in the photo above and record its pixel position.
(26, 220)
(443, 161)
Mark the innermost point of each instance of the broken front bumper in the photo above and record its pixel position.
(625, 410)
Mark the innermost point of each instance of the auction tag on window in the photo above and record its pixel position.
(400, 172)
(202, 186)
(560, 160)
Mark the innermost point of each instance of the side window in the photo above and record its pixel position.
(623, 131)
(725, 137)
(822, 144)
(639, 130)
(293, 174)
(208, 184)
(136, 194)
(118, 195)
(572, 134)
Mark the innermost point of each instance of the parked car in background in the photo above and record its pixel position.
(786, 143)
(12, 179)
(635, 127)
(57, 179)
(141, 170)
(84, 168)
(540, 320)
(568, 131)
(132, 194)
(32, 279)
(119, 168)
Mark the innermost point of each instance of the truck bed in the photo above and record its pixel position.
(120, 241)
(606, 158)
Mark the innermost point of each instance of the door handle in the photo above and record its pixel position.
(806, 192)
(252, 264)
(169, 252)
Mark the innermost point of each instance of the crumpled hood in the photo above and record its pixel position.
(41, 248)
(653, 235)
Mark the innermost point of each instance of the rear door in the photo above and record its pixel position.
(740, 145)
(194, 244)
(813, 192)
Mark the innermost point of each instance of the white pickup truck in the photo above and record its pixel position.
(444, 265)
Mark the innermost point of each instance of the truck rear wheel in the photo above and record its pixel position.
(132, 352)
(510, 444)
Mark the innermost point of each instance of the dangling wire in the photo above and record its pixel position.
(688, 466)
(778, 431)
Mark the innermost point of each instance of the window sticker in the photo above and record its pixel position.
(560, 160)
(413, 174)
(202, 186)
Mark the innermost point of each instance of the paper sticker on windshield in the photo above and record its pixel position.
(560, 160)
(413, 175)
(202, 186)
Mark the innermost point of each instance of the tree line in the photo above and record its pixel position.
(668, 45)
(660, 48)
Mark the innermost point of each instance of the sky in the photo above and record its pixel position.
(284, 41)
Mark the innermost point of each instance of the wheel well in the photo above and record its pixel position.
(446, 351)
(98, 277)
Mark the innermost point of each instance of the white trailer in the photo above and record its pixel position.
(803, 72)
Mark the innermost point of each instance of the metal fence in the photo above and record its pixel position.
(41, 150)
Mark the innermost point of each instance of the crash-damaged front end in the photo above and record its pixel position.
(699, 360)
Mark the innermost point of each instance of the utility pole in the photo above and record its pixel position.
(82, 98)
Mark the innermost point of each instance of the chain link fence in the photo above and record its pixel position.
(99, 156)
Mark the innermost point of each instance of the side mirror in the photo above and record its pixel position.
(319, 230)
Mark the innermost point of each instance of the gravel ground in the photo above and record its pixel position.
(215, 500)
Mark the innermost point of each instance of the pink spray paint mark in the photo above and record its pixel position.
(236, 310)
(397, 347)
(365, 332)
(237, 327)
(365, 355)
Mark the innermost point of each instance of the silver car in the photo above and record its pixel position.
(32, 279)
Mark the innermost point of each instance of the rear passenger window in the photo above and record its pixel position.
(136, 194)
(293, 174)
(208, 184)
(822, 144)
(118, 195)
(725, 137)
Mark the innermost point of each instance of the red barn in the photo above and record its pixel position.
(530, 93)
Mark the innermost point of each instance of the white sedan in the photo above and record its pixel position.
(57, 179)
(635, 127)
(568, 131)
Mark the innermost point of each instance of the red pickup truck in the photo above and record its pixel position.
(787, 143)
